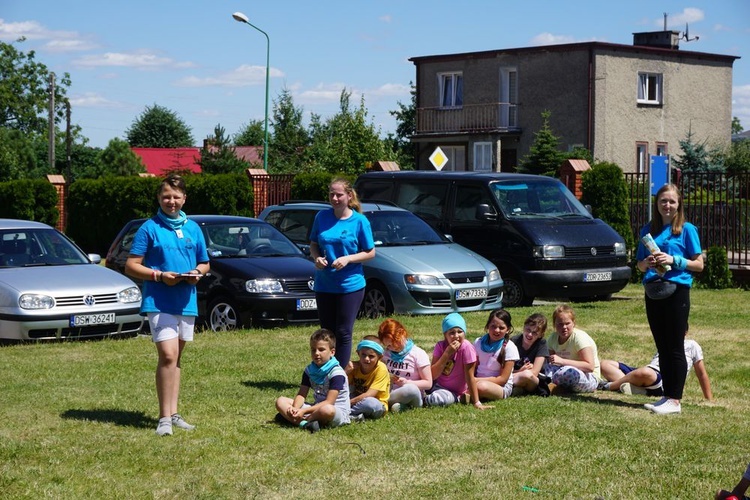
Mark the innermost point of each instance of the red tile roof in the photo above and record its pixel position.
(161, 161)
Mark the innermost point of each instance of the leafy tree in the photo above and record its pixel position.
(544, 156)
(159, 127)
(24, 91)
(737, 159)
(218, 156)
(736, 125)
(117, 159)
(290, 138)
(406, 118)
(580, 153)
(251, 134)
(698, 157)
(605, 189)
(17, 156)
(346, 142)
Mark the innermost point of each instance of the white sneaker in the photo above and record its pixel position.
(628, 388)
(650, 406)
(395, 407)
(668, 407)
(165, 427)
(178, 421)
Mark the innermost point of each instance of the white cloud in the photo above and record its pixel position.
(386, 18)
(208, 113)
(741, 104)
(57, 41)
(390, 89)
(243, 76)
(550, 39)
(676, 21)
(139, 60)
(93, 100)
(324, 94)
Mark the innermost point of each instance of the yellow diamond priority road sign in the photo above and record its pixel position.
(438, 158)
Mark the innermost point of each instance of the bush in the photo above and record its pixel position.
(604, 188)
(716, 274)
(29, 199)
(98, 208)
(314, 186)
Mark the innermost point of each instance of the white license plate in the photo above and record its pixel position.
(471, 293)
(306, 304)
(92, 319)
(597, 277)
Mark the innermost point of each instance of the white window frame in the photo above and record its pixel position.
(509, 96)
(650, 88)
(641, 157)
(482, 157)
(662, 149)
(456, 98)
(456, 158)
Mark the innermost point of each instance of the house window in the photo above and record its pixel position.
(661, 149)
(451, 90)
(483, 156)
(456, 158)
(641, 151)
(650, 88)
(508, 97)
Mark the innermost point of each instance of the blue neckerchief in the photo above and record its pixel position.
(488, 346)
(174, 223)
(398, 357)
(319, 374)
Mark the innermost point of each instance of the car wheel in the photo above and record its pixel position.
(377, 302)
(222, 315)
(513, 295)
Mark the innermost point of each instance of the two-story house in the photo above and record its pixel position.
(622, 102)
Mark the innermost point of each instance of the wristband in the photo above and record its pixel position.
(153, 275)
(478, 404)
(680, 263)
(198, 271)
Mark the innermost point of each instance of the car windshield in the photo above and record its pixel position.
(247, 239)
(396, 228)
(537, 199)
(37, 247)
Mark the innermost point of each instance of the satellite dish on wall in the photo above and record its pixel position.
(686, 35)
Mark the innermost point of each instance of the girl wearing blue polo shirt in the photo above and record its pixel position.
(667, 282)
(169, 255)
(340, 240)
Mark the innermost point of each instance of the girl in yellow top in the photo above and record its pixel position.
(573, 360)
(369, 381)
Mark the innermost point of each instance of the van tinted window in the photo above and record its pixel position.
(467, 200)
(536, 198)
(423, 199)
(376, 191)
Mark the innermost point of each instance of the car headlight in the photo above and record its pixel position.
(619, 248)
(36, 301)
(129, 295)
(549, 251)
(421, 279)
(263, 286)
(494, 275)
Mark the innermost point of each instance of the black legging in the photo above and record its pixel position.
(337, 312)
(668, 319)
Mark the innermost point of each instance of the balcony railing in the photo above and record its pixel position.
(497, 116)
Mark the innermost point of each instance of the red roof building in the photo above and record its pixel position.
(161, 161)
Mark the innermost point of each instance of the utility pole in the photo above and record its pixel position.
(68, 141)
(51, 149)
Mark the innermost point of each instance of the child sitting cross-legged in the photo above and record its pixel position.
(369, 382)
(328, 381)
(408, 364)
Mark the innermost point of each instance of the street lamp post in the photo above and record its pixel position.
(242, 18)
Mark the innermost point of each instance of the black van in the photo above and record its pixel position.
(543, 240)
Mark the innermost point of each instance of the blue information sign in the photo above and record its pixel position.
(658, 173)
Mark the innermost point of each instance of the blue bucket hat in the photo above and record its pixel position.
(454, 320)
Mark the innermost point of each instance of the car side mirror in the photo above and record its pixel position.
(95, 258)
(484, 212)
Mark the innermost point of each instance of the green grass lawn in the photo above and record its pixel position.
(77, 420)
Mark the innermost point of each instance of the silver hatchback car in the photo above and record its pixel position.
(416, 270)
(50, 289)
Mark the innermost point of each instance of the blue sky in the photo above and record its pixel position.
(192, 57)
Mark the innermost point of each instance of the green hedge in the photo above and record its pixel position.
(314, 186)
(29, 199)
(99, 208)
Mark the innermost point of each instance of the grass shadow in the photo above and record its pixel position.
(275, 385)
(123, 418)
(590, 398)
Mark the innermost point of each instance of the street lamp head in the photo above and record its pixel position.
(240, 17)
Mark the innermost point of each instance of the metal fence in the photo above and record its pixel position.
(717, 204)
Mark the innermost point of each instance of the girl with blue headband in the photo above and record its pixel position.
(496, 355)
(369, 384)
(408, 365)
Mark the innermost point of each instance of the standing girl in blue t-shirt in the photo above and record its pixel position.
(667, 281)
(165, 249)
(340, 240)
